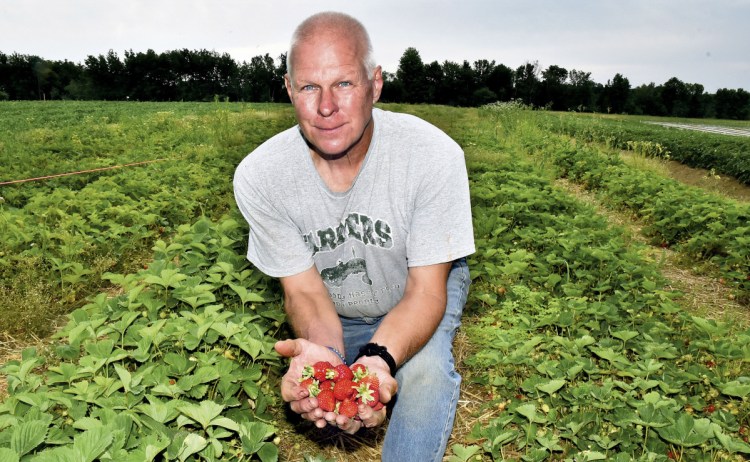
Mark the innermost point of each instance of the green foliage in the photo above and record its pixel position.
(583, 351)
(729, 155)
(62, 234)
(703, 227)
(178, 366)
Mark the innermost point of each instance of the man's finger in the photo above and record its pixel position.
(373, 418)
(288, 348)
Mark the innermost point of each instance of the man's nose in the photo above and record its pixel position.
(327, 104)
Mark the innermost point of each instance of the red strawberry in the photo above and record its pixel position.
(378, 406)
(311, 385)
(326, 400)
(359, 371)
(343, 389)
(341, 372)
(326, 385)
(372, 381)
(320, 369)
(348, 407)
(366, 395)
(710, 408)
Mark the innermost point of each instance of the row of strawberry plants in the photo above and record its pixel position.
(178, 366)
(729, 155)
(60, 235)
(583, 353)
(702, 226)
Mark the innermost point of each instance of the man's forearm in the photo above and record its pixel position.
(314, 318)
(413, 321)
(310, 310)
(410, 325)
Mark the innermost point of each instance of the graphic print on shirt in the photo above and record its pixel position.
(335, 275)
(355, 226)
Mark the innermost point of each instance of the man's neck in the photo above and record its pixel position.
(338, 172)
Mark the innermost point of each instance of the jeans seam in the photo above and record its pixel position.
(447, 424)
(457, 389)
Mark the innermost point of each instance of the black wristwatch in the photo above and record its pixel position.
(373, 349)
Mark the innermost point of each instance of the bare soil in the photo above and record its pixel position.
(722, 185)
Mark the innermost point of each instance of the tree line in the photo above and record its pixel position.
(202, 75)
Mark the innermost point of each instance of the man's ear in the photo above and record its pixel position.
(288, 86)
(377, 84)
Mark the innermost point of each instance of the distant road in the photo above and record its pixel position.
(706, 128)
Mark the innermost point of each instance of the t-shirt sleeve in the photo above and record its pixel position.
(441, 228)
(275, 244)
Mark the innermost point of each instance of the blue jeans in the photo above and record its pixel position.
(428, 385)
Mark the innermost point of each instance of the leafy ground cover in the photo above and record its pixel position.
(587, 357)
(577, 349)
(179, 366)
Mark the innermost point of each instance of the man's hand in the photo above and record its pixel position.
(367, 416)
(303, 353)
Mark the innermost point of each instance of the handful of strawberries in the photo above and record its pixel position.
(341, 389)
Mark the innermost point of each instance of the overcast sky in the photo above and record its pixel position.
(697, 41)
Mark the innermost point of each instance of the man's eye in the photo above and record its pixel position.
(308, 88)
(345, 84)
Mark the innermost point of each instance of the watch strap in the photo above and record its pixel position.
(373, 349)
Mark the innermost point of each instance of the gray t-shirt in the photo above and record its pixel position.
(408, 206)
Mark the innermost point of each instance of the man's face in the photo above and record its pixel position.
(332, 95)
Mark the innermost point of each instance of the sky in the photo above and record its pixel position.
(647, 41)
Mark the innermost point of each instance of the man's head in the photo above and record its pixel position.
(339, 23)
(333, 83)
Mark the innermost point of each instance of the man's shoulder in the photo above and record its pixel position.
(402, 120)
(274, 152)
(414, 133)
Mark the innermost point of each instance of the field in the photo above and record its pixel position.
(608, 316)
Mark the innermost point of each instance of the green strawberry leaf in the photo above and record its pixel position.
(462, 453)
(28, 436)
(8, 455)
(92, 443)
(735, 388)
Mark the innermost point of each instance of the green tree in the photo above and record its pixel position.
(393, 89)
(526, 82)
(260, 79)
(411, 73)
(19, 76)
(581, 91)
(553, 89)
(647, 100)
(616, 94)
(732, 104)
(500, 82)
(696, 100)
(675, 97)
(104, 78)
(433, 74)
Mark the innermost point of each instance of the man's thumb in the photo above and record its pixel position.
(288, 348)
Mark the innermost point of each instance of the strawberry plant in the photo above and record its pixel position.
(586, 354)
(177, 367)
(703, 227)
